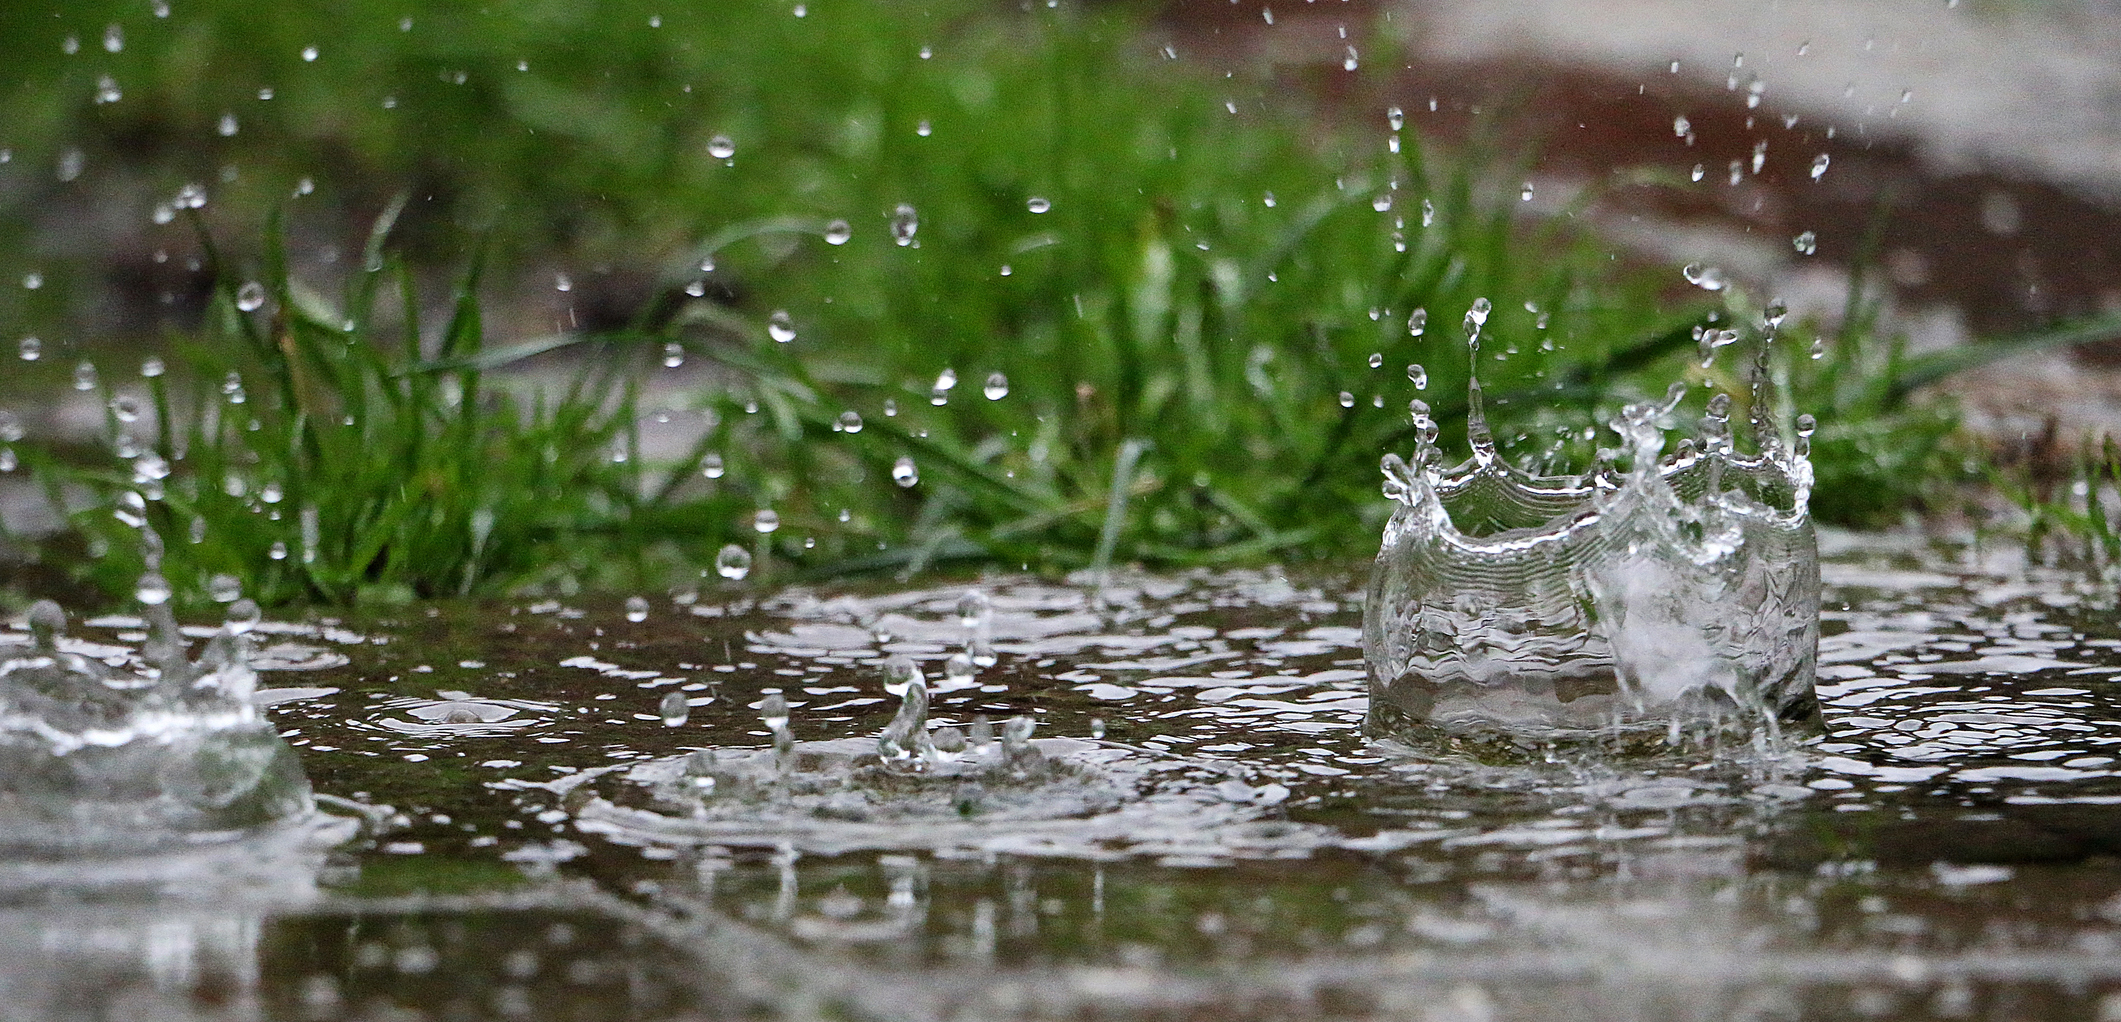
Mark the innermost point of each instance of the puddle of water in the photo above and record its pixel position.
(1210, 834)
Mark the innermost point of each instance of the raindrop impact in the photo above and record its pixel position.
(675, 710)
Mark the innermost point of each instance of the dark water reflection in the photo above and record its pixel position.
(1949, 849)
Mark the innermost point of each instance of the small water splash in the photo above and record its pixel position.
(1658, 596)
(97, 759)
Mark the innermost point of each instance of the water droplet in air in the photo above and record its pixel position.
(780, 326)
(766, 520)
(243, 615)
(1428, 213)
(1382, 203)
(153, 590)
(1525, 194)
(1806, 243)
(773, 712)
(107, 90)
(904, 472)
(1707, 278)
(1681, 126)
(720, 147)
(850, 421)
(1347, 400)
(673, 355)
(958, 669)
(1818, 348)
(224, 588)
(1419, 376)
(1774, 314)
(711, 465)
(10, 427)
(1477, 315)
(899, 674)
(837, 232)
(228, 125)
(734, 562)
(1396, 117)
(31, 349)
(85, 376)
(923, 129)
(309, 54)
(1819, 163)
(562, 282)
(1039, 204)
(675, 710)
(997, 387)
(636, 609)
(905, 223)
(250, 297)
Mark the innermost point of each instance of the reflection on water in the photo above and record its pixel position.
(1222, 841)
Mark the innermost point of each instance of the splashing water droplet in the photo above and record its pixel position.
(250, 297)
(838, 232)
(153, 590)
(900, 673)
(1818, 350)
(636, 609)
(773, 712)
(1806, 243)
(1819, 164)
(997, 387)
(904, 472)
(1428, 213)
(1347, 400)
(733, 562)
(675, 709)
(1038, 204)
(780, 326)
(673, 355)
(1417, 322)
(224, 588)
(1419, 376)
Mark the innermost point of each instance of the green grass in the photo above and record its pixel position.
(1176, 345)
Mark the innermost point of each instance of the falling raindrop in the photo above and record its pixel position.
(997, 387)
(107, 90)
(224, 588)
(958, 670)
(904, 472)
(905, 223)
(562, 282)
(1819, 163)
(278, 551)
(1818, 348)
(636, 609)
(85, 376)
(1418, 322)
(780, 326)
(1347, 400)
(250, 297)
(1039, 204)
(1377, 360)
(1428, 213)
(720, 147)
(837, 232)
(675, 710)
(766, 520)
(975, 610)
(673, 355)
(734, 562)
(31, 349)
(850, 421)
(711, 465)
(228, 125)
(1396, 117)
(1806, 243)
(1525, 194)
(1419, 376)
(900, 674)
(309, 54)
(1707, 278)
(152, 367)
(10, 427)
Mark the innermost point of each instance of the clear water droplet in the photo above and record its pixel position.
(107, 90)
(958, 670)
(1419, 376)
(904, 472)
(153, 590)
(10, 427)
(1039, 204)
(997, 387)
(1819, 164)
(85, 376)
(850, 421)
(780, 326)
(1818, 350)
(734, 562)
(721, 147)
(900, 673)
(1707, 278)
(1806, 243)
(152, 367)
(1417, 322)
(309, 54)
(224, 588)
(243, 615)
(1396, 117)
(676, 711)
(1525, 194)
(562, 282)
(773, 712)
(636, 609)
(766, 520)
(30, 349)
(228, 125)
(250, 297)
(1347, 400)
(711, 465)
(905, 224)
(838, 232)
(673, 355)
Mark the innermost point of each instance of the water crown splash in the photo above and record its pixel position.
(1509, 611)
